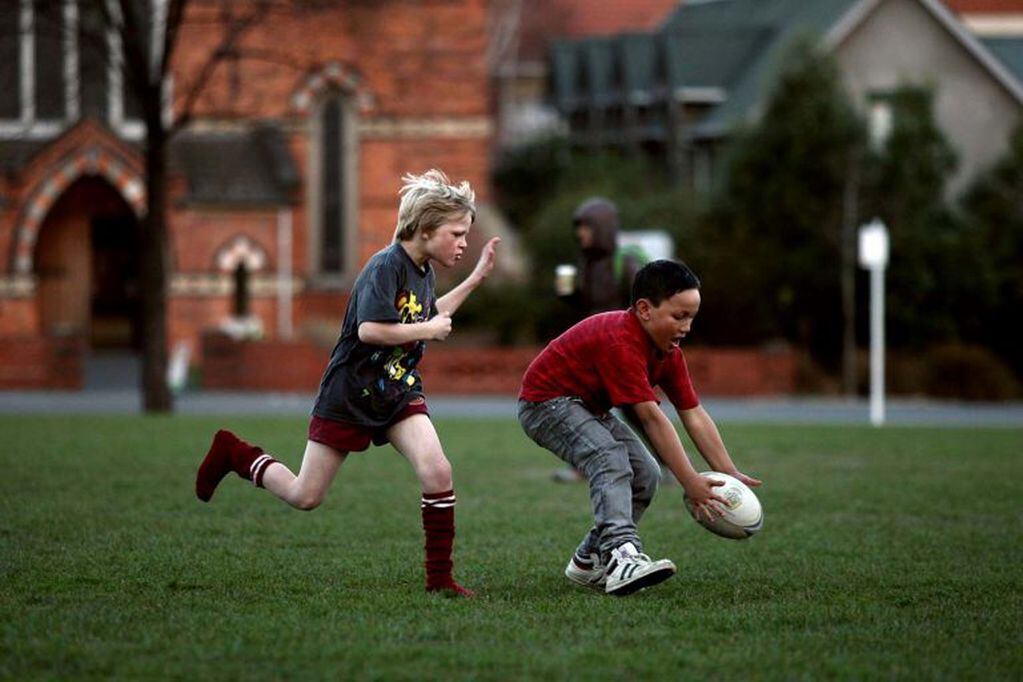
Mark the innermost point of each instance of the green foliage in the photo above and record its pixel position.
(967, 373)
(879, 559)
(772, 239)
(929, 278)
(507, 314)
(527, 176)
(994, 209)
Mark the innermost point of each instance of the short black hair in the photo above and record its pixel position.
(661, 279)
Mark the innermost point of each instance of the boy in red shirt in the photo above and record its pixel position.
(371, 391)
(615, 359)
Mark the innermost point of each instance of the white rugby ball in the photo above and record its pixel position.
(743, 515)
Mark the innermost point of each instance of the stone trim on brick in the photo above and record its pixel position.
(205, 285)
(17, 286)
(240, 249)
(90, 159)
(332, 74)
(447, 127)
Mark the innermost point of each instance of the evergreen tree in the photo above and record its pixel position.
(774, 234)
(907, 191)
(994, 210)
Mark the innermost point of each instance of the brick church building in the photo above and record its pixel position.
(282, 185)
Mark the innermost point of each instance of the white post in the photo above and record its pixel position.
(877, 346)
(284, 241)
(874, 257)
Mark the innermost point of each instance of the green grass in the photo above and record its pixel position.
(890, 553)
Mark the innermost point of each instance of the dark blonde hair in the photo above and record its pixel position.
(429, 200)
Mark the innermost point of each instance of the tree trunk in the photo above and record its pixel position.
(155, 391)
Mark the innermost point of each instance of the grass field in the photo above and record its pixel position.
(890, 553)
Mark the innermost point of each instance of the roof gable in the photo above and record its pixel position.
(833, 21)
(953, 26)
(1009, 51)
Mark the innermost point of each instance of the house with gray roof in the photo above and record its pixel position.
(677, 92)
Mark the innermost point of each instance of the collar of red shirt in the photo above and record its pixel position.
(636, 328)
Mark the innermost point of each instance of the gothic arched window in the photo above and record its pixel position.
(333, 183)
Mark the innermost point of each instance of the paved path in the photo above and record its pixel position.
(773, 410)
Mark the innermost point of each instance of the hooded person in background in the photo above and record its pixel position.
(604, 272)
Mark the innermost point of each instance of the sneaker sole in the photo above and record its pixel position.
(583, 582)
(648, 580)
(599, 587)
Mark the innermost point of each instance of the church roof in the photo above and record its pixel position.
(236, 167)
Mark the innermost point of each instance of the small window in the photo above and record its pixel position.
(881, 120)
(241, 305)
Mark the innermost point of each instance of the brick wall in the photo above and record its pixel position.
(297, 367)
(40, 363)
(18, 316)
(417, 58)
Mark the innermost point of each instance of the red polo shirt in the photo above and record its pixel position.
(608, 360)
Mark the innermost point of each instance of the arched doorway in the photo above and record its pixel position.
(86, 265)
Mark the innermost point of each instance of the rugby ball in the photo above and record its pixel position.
(743, 515)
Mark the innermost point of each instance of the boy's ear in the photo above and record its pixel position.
(643, 308)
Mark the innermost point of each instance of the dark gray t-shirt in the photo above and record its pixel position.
(366, 384)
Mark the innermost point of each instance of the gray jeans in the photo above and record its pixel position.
(623, 475)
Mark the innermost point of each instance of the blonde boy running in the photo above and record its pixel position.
(371, 391)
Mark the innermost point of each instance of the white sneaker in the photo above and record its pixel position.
(586, 572)
(630, 571)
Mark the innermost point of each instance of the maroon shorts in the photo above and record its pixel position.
(347, 437)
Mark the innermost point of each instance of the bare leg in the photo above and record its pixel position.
(417, 440)
(307, 490)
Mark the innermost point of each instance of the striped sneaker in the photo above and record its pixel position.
(587, 572)
(629, 570)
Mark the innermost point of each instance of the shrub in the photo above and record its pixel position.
(968, 373)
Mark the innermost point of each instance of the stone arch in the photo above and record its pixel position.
(330, 75)
(89, 160)
(241, 249)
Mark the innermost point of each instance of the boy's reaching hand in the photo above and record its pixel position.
(486, 262)
(700, 491)
(748, 480)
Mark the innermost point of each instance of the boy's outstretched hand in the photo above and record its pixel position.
(486, 262)
(748, 480)
(706, 502)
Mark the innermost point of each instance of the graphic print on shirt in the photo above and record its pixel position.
(409, 310)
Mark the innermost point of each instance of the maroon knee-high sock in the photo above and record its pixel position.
(439, 526)
(229, 453)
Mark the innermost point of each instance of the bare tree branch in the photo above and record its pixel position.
(175, 14)
(235, 30)
(275, 57)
